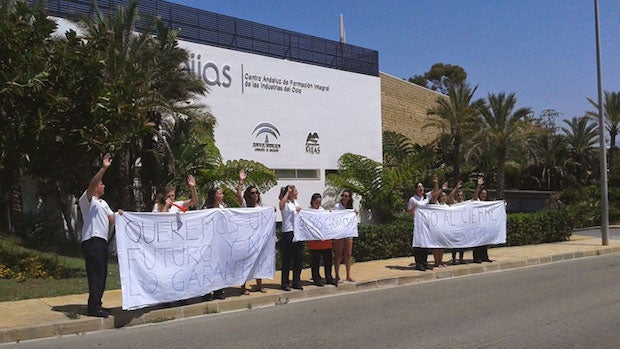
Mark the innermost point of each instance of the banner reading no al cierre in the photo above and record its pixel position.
(164, 257)
(466, 224)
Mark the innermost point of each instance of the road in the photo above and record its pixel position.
(614, 233)
(569, 304)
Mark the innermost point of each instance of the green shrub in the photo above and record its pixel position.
(384, 241)
(539, 227)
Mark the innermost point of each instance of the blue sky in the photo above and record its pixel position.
(543, 51)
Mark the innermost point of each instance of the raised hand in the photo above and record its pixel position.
(191, 181)
(480, 181)
(459, 184)
(242, 175)
(107, 160)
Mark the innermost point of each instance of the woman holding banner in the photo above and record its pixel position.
(420, 254)
(457, 196)
(290, 252)
(343, 248)
(250, 198)
(165, 200)
(438, 252)
(215, 199)
(481, 253)
(320, 249)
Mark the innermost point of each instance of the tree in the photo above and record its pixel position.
(441, 77)
(581, 137)
(611, 117)
(143, 92)
(502, 126)
(24, 81)
(455, 117)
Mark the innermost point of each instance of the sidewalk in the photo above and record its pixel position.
(58, 316)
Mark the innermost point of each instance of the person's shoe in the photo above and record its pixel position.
(99, 313)
(286, 288)
(462, 262)
(319, 283)
(428, 267)
(298, 287)
(487, 260)
(219, 294)
(477, 261)
(332, 282)
(419, 267)
(207, 297)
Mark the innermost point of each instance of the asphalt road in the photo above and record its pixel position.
(569, 304)
(614, 233)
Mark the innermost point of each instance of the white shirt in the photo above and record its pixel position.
(288, 215)
(416, 201)
(95, 215)
(172, 209)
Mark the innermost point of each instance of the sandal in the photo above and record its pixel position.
(245, 292)
(262, 290)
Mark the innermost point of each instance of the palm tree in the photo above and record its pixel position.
(581, 137)
(143, 94)
(456, 114)
(611, 116)
(502, 126)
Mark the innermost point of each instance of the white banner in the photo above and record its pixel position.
(467, 224)
(164, 257)
(324, 225)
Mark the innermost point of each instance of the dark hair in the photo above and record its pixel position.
(247, 196)
(350, 204)
(211, 197)
(314, 197)
(284, 190)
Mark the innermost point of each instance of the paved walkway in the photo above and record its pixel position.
(58, 316)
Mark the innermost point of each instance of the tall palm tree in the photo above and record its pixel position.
(581, 137)
(503, 126)
(611, 116)
(455, 117)
(144, 87)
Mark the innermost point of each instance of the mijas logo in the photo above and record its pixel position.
(312, 144)
(266, 129)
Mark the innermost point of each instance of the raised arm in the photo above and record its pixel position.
(458, 186)
(478, 187)
(191, 182)
(285, 198)
(242, 177)
(98, 177)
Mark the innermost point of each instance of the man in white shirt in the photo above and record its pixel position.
(97, 217)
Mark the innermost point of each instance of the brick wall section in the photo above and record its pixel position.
(404, 106)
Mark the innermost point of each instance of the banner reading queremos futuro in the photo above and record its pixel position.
(324, 225)
(164, 257)
(466, 224)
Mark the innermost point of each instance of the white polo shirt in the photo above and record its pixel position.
(95, 215)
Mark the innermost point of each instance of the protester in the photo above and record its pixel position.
(320, 249)
(481, 253)
(165, 200)
(97, 217)
(343, 248)
(438, 252)
(290, 252)
(457, 196)
(215, 199)
(421, 198)
(250, 198)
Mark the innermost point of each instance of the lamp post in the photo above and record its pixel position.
(601, 129)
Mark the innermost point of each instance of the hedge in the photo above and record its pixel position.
(394, 240)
